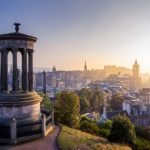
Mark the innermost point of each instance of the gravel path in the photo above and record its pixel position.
(46, 143)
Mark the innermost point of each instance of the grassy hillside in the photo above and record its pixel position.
(71, 139)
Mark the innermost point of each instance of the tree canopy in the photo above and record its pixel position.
(90, 99)
(116, 101)
(67, 108)
(122, 131)
(46, 103)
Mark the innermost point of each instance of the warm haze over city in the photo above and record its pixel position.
(69, 32)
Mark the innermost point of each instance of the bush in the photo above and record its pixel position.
(46, 103)
(105, 128)
(122, 131)
(106, 125)
(141, 144)
(89, 127)
(104, 132)
(143, 132)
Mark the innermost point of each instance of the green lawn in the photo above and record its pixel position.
(71, 139)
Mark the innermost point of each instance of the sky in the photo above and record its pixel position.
(69, 32)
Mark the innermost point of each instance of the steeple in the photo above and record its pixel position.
(85, 66)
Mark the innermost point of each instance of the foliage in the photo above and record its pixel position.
(89, 127)
(116, 102)
(90, 99)
(143, 132)
(67, 108)
(105, 128)
(122, 130)
(141, 144)
(83, 118)
(71, 139)
(104, 132)
(46, 103)
(106, 125)
(84, 104)
(97, 99)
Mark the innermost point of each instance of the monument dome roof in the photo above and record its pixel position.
(17, 35)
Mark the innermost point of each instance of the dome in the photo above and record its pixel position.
(17, 35)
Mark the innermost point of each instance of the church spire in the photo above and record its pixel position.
(85, 66)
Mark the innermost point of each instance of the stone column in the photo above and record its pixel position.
(24, 71)
(14, 77)
(44, 124)
(13, 131)
(30, 75)
(4, 69)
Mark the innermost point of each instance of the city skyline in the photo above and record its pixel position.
(70, 32)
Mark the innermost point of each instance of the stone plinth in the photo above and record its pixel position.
(20, 105)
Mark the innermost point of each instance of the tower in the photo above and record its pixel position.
(136, 70)
(136, 76)
(54, 69)
(85, 66)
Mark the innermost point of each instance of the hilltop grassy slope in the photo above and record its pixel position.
(71, 139)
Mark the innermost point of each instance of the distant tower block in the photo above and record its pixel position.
(20, 103)
(85, 66)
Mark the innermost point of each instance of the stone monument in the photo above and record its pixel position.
(21, 104)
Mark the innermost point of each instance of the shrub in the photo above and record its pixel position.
(104, 132)
(141, 144)
(106, 125)
(143, 132)
(122, 131)
(89, 127)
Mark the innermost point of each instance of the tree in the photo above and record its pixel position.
(122, 131)
(67, 108)
(84, 105)
(96, 99)
(116, 102)
(92, 97)
(46, 103)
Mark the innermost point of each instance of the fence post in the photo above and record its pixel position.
(13, 131)
(44, 124)
(53, 117)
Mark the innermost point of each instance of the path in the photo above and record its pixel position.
(46, 143)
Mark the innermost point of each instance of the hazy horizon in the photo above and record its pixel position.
(69, 32)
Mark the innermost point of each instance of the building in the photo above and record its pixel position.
(108, 115)
(136, 80)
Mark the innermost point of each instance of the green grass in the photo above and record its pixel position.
(72, 139)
